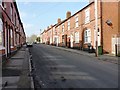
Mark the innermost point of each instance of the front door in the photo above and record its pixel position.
(115, 41)
(113, 45)
(71, 41)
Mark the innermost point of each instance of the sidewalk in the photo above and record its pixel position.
(108, 58)
(15, 74)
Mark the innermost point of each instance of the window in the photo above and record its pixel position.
(0, 2)
(58, 29)
(11, 35)
(4, 5)
(76, 37)
(63, 27)
(15, 18)
(68, 24)
(87, 15)
(87, 36)
(11, 12)
(76, 21)
(55, 32)
(1, 30)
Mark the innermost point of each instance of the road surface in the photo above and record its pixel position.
(56, 68)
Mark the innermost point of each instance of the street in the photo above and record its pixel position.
(55, 68)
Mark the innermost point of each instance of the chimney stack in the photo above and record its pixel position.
(91, 1)
(59, 20)
(51, 26)
(68, 14)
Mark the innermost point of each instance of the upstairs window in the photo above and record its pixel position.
(76, 21)
(87, 15)
(58, 29)
(11, 12)
(63, 27)
(55, 32)
(15, 18)
(1, 31)
(76, 37)
(0, 2)
(68, 24)
(4, 5)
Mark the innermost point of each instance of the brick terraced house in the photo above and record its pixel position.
(12, 35)
(78, 30)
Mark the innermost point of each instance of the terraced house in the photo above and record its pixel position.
(12, 35)
(78, 30)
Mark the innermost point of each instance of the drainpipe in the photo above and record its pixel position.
(101, 25)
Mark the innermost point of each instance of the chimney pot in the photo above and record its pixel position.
(68, 14)
(59, 20)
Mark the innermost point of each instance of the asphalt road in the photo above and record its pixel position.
(55, 68)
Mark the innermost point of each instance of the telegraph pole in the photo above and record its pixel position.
(96, 26)
(40, 36)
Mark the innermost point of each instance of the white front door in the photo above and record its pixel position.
(71, 41)
(113, 45)
(117, 42)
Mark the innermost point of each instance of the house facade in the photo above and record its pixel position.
(12, 35)
(78, 30)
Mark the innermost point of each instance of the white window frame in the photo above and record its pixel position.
(55, 32)
(77, 37)
(58, 29)
(87, 15)
(76, 21)
(0, 2)
(11, 35)
(68, 24)
(11, 12)
(1, 32)
(87, 36)
(63, 27)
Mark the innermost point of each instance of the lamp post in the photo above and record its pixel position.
(40, 36)
(96, 27)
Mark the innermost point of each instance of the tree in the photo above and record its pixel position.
(32, 38)
(38, 39)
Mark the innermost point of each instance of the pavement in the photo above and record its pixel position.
(16, 72)
(104, 57)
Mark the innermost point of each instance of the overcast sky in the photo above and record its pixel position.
(39, 15)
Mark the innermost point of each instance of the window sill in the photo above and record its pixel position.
(77, 42)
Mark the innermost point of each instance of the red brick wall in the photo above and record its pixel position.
(109, 12)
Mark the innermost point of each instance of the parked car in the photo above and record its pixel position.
(35, 42)
(29, 44)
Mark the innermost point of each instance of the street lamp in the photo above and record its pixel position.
(96, 27)
(40, 41)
